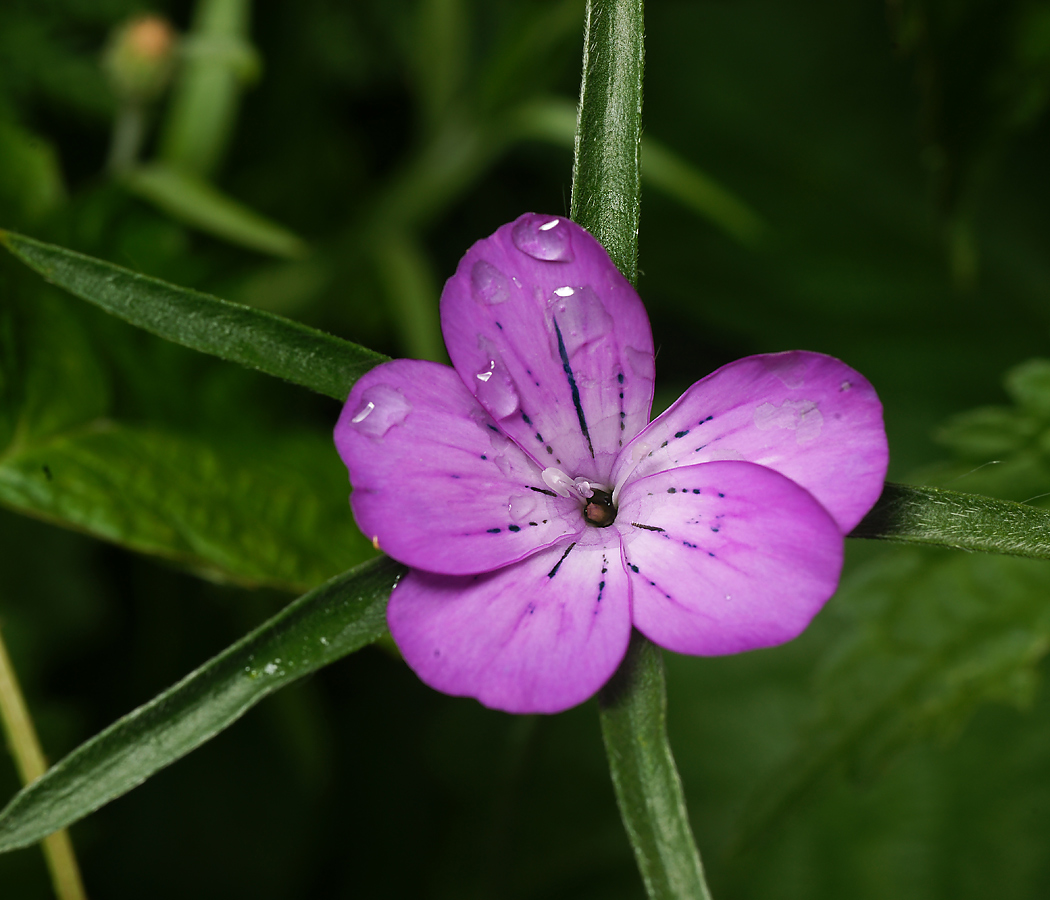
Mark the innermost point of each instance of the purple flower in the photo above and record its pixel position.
(542, 514)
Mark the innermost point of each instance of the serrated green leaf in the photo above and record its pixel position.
(221, 511)
(929, 638)
(333, 620)
(198, 203)
(273, 515)
(251, 337)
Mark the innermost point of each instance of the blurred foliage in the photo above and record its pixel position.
(388, 136)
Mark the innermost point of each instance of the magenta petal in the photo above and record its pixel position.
(805, 415)
(725, 557)
(436, 484)
(536, 637)
(553, 341)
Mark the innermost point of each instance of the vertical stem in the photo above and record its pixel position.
(648, 790)
(606, 197)
(607, 180)
(29, 759)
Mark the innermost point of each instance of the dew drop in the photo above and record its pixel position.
(488, 284)
(642, 363)
(581, 318)
(381, 408)
(495, 389)
(542, 237)
(521, 508)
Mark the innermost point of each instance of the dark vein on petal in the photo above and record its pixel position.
(572, 386)
(557, 565)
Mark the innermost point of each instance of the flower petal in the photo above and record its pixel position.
(553, 341)
(726, 556)
(436, 484)
(536, 637)
(805, 415)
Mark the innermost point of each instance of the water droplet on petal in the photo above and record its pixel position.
(495, 389)
(581, 318)
(543, 237)
(381, 408)
(642, 363)
(488, 283)
(520, 508)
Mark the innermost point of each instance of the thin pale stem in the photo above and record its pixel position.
(30, 762)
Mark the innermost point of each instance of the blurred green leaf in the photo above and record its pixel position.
(928, 638)
(412, 293)
(30, 178)
(217, 61)
(554, 120)
(251, 337)
(335, 619)
(273, 515)
(441, 54)
(197, 203)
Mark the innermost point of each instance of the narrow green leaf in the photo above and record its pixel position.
(324, 625)
(606, 179)
(923, 515)
(648, 789)
(251, 337)
(195, 202)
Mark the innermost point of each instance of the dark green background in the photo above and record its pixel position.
(898, 156)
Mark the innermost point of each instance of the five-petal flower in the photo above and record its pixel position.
(542, 515)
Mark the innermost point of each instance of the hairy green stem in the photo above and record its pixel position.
(634, 725)
(30, 762)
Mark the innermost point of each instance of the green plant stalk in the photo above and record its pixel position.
(30, 762)
(606, 195)
(634, 725)
(607, 176)
(207, 89)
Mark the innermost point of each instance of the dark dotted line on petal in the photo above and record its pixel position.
(557, 565)
(634, 569)
(601, 584)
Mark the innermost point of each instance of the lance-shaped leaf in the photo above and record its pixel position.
(935, 517)
(320, 627)
(251, 337)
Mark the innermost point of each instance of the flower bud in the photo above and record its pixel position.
(139, 58)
